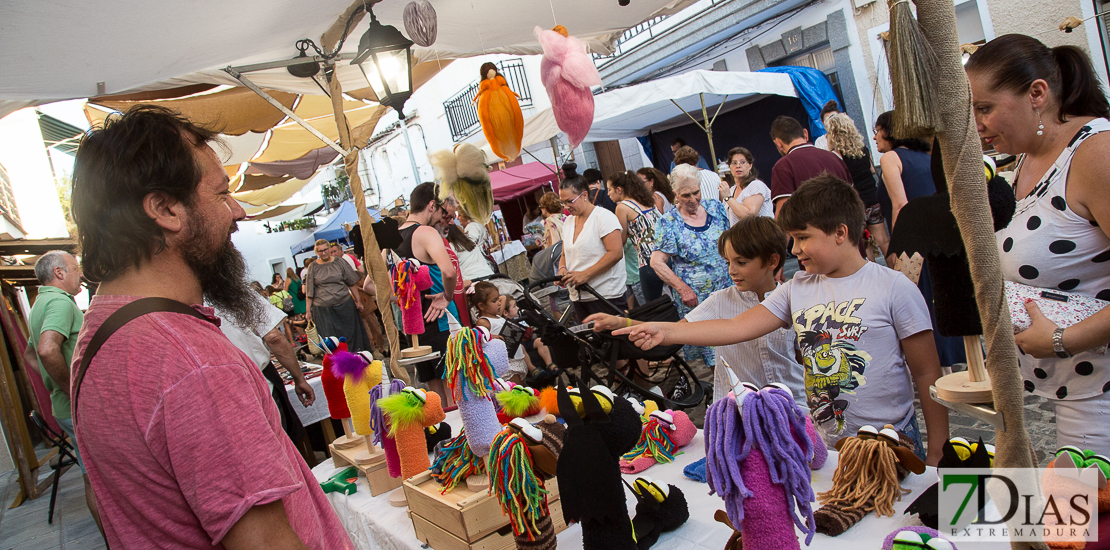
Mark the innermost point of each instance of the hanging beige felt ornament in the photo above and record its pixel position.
(464, 174)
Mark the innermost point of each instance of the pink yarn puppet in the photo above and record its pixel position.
(568, 72)
(409, 280)
(380, 423)
(758, 461)
(664, 433)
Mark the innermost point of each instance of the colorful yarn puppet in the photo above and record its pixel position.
(958, 453)
(868, 474)
(758, 456)
(333, 383)
(359, 373)
(470, 378)
(380, 424)
(519, 464)
(915, 537)
(590, 483)
(409, 412)
(662, 435)
(568, 71)
(1060, 482)
(455, 462)
(499, 112)
(463, 173)
(516, 402)
(409, 280)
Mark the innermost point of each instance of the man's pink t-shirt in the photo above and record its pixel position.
(181, 437)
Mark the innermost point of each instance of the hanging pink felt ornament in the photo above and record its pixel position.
(409, 279)
(568, 72)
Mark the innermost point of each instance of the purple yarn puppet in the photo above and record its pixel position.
(758, 461)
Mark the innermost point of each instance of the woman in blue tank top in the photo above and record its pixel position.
(905, 169)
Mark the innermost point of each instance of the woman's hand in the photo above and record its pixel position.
(689, 297)
(1037, 339)
(575, 278)
(724, 191)
(436, 309)
(645, 336)
(604, 321)
(308, 316)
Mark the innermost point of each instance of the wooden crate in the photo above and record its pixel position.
(466, 515)
(501, 539)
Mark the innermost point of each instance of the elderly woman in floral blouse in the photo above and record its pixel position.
(687, 238)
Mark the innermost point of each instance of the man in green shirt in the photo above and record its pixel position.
(54, 324)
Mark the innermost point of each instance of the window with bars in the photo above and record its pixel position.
(462, 114)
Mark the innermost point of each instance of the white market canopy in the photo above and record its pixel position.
(635, 110)
(64, 49)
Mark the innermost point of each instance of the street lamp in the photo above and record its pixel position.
(385, 59)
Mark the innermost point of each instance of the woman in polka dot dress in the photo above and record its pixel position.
(1048, 106)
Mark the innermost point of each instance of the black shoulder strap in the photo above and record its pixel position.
(121, 317)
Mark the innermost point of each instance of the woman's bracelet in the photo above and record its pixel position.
(627, 321)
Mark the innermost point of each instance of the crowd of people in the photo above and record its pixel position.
(186, 433)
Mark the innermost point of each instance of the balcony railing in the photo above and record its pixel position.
(629, 35)
(462, 115)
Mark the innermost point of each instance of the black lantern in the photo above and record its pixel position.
(385, 60)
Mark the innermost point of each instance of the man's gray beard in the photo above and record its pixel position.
(222, 274)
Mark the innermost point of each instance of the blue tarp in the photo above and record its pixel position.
(814, 90)
(332, 229)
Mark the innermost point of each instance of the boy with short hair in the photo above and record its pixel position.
(863, 330)
(755, 249)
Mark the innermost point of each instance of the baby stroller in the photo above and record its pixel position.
(595, 354)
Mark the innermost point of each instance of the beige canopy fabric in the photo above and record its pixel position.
(256, 183)
(232, 112)
(264, 212)
(272, 195)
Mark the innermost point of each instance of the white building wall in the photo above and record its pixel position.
(261, 249)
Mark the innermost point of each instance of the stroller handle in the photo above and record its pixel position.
(580, 288)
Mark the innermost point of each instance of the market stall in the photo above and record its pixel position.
(373, 524)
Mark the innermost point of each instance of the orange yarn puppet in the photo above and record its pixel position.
(500, 115)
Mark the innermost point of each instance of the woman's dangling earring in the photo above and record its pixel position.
(1040, 124)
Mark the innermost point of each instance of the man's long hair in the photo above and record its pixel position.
(146, 150)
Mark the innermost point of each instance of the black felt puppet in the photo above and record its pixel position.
(958, 453)
(926, 226)
(589, 472)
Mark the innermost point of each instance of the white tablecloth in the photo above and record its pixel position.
(315, 412)
(373, 524)
(508, 250)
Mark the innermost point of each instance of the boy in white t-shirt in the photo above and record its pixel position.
(755, 249)
(863, 330)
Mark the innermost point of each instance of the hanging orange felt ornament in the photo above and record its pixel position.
(500, 115)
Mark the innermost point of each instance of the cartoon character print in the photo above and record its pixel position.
(833, 366)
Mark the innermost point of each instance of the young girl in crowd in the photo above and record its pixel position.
(485, 299)
(512, 312)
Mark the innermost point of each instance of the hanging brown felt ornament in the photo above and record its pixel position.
(420, 22)
(913, 67)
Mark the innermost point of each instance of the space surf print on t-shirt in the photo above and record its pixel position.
(834, 366)
(849, 331)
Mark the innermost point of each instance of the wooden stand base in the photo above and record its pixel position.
(478, 483)
(959, 388)
(366, 458)
(347, 442)
(417, 351)
(398, 499)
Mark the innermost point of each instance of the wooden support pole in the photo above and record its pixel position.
(372, 254)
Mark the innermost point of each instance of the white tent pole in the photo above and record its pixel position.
(312, 130)
(408, 147)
